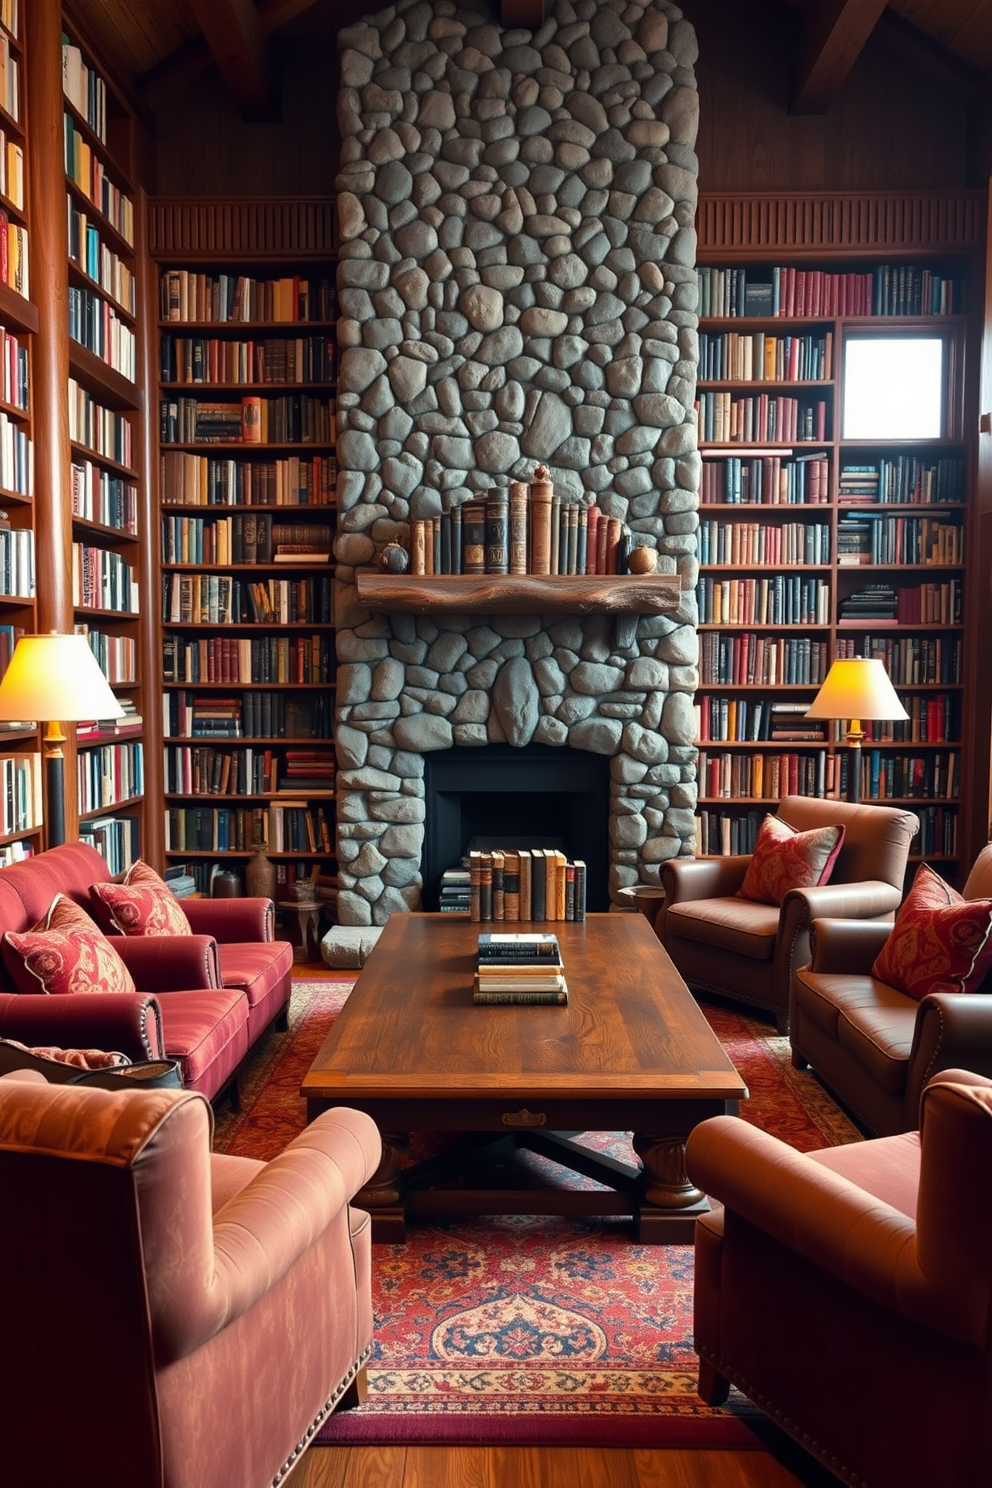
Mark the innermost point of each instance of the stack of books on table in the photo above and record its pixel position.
(455, 891)
(520, 969)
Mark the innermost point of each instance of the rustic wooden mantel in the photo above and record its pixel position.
(520, 594)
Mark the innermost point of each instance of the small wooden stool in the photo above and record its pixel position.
(308, 919)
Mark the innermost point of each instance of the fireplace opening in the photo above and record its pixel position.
(537, 794)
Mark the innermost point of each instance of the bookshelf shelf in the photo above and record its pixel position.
(520, 594)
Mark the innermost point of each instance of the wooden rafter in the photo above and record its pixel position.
(233, 32)
(528, 14)
(835, 35)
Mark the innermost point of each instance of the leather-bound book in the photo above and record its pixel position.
(518, 527)
(511, 886)
(456, 540)
(592, 538)
(473, 537)
(497, 532)
(418, 549)
(541, 492)
(555, 560)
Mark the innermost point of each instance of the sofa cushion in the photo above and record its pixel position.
(64, 953)
(207, 1032)
(940, 942)
(257, 968)
(737, 925)
(141, 904)
(785, 859)
(878, 1031)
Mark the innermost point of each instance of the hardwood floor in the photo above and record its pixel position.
(539, 1467)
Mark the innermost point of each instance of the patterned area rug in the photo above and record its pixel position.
(534, 1330)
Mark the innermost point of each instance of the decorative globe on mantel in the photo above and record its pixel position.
(394, 558)
(642, 560)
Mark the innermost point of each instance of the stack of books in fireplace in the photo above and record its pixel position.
(520, 969)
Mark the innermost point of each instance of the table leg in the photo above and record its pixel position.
(382, 1195)
(669, 1202)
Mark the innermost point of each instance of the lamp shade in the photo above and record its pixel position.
(55, 678)
(857, 687)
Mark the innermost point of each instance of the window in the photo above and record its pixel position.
(894, 387)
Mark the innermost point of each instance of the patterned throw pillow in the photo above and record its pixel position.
(940, 942)
(785, 859)
(141, 905)
(64, 952)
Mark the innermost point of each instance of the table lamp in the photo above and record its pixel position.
(55, 677)
(856, 689)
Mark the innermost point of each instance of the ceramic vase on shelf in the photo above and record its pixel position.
(260, 876)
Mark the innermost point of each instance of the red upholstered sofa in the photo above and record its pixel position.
(203, 999)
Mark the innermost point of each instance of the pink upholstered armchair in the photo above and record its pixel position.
(173, 1319)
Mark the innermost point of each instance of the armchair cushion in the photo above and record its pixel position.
(64, 952)
(940, 942)
(740, 926)
(141, 904)
(785, 859)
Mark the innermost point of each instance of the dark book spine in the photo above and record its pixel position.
(538, 886)
(486, 887)
(456, 540)
(473, 538)
(497, 533)
(446, 567)
(520, 999)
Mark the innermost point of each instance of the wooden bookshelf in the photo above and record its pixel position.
(247, 466)
(796, 520)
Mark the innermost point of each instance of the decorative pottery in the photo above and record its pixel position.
(260, 876)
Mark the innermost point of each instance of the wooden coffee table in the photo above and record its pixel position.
(630, 1052)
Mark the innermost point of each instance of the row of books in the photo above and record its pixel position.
(14, 255)
(251, 538)
(519, 969)
(10, 86)
(887, 777)
(872, 539)
(250, 715)
(17, 562)
(478, 537)
(102, 580)
(901, 289)
(97, 729)
(783, 599)
(185, 295)
(765, 479)
(293, 418)
(938, 834)
(9, 636)
(84, 166)
(116, 839)
(84, 88)
(909, 660)
(14, 386)
(904, 480)
(760, 776)
(20, 793)
(201, 480)
(218, 599)
(91, 254)
(722, 832)
(193, 359)
(743, 720)
(525, 884)
(280, 827)
(99, 496)
(109, 774)
(16, 457)
(100, 429)
(920, 604)
(729, 356)
(15, 852)
(117, 656)
(210, 770)
(11, 171)
(727, 418)
(268, 658)
(95, 324)
(792, 543)
(768, 661)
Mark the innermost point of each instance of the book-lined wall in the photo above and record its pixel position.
(104, 406)
(815, 545)
(21, 807)
(247, 477)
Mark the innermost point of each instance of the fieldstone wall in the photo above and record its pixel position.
(516, 285)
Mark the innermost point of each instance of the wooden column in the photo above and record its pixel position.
(50, 365)
(149, 570)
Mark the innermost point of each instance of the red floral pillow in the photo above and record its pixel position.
(785, 859)
(64, 952)
(940, 942)
(140, 905)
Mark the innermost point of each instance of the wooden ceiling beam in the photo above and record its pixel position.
(528, 14)
(186, 66)
(835, 35)
(233, 32)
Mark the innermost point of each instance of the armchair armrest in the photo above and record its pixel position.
(168, 964)
(230, 920)
(855, 901)
(831, 1222)
(953, 1030)
(847, 946)
(122, 1021)
(702, 878)
(274, 1220)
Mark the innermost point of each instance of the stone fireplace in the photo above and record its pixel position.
(516, 285)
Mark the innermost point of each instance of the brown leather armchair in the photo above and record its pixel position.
(872, 1045)
(847, 1292)
(748, 951)
(171, 1317)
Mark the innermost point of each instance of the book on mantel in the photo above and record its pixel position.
(520, 969)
